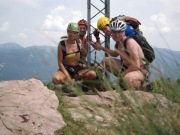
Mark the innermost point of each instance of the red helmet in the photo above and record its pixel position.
(82, 22)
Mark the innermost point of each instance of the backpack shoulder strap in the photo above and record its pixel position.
(62, 44)
(125, 41)
(79, 44)
(125, 45)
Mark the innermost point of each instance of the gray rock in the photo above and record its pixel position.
(28, 107)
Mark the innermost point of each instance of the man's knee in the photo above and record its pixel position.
(132, 81)
(128, 78)
(103, 61)
(106, 63)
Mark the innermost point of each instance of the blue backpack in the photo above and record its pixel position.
(130, 31)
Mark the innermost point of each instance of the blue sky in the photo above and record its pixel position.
(43, 22)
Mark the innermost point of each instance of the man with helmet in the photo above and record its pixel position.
(130, 66)
(103, 25)
(69, 55)
(132, 25)
(84, 40)
(82, 35)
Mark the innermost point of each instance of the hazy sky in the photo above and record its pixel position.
(43, 22)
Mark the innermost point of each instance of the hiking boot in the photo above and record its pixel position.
(84, 88)
(123, 86)
(58, 87)
(68, 88)
(64, 88)
(147, 86)
(72, 94)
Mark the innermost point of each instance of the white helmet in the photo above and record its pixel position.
(118, 25)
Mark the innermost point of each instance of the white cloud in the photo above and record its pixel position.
(165, 29)
(158, 23)
(161, 22)
(22, 35)
(160, 18)
(54, 21)
(4, 27)
(58, 9)
(53, 17)
(59, 17)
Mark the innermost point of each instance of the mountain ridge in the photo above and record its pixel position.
(17, 62)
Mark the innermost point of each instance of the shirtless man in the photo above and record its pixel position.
(131, 64)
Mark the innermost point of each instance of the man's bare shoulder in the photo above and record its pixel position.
(131, 44)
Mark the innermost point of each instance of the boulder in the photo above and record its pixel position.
(28, 107)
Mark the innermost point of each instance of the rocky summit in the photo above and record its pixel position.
(27, 107)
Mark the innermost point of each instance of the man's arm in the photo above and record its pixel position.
(98, 46)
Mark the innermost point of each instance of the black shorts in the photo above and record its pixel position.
(123, 67)
(72, 70)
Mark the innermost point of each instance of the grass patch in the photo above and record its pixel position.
(145, 119)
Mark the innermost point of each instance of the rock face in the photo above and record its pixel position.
(113, 108)
(28, 107)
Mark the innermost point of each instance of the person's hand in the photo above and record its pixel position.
(96, 33)
(69, 80)
(82, 65)
(97, 46)
(89, 37)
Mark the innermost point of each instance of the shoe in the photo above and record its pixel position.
(58, 87)
(67, 89)
(123, 86)
(72, 94)
(84, 88)
(147, 86)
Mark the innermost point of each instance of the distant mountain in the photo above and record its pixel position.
(167, 62)
(10, 46)
(17, 62)
(25, 63)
